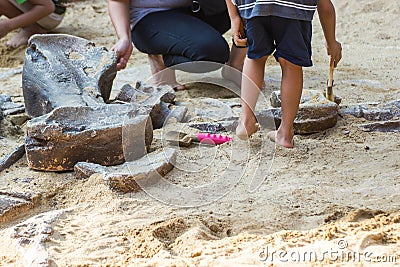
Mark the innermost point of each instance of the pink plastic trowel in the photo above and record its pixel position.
(183, 139)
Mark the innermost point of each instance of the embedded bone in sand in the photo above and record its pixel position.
(129, 176)
(315, 113)
(64, 70)
(67, 135)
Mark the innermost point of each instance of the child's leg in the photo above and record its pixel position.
(291, 88)
(9, 10)
(252, 80)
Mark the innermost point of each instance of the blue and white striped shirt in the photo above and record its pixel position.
(291, 9)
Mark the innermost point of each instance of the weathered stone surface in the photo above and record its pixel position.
(32, 235)
(374, 111)
(7, 107)
(67, 135)
(64, 70)
(315, 114)
(12, 158)
(153, 98)
(215, 127)
(275, 98)
(384, 126)
(214, 109)
(13, 204)
(129, 176)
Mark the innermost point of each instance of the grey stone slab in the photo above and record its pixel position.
(315, 113)
(64, 70)
(7, 107)
(13, 204)
(130, 176)
(276, 101)
(374, 111)
(381, 126)
(12, 158)
(156, 99)
(67, 135)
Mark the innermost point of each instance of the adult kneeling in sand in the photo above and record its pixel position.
(173, 32)
(32, 16)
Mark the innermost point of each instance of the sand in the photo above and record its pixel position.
(336, 194)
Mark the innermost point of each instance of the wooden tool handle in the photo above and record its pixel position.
(331, 68)
(329, 91)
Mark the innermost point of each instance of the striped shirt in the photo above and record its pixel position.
(291, 9)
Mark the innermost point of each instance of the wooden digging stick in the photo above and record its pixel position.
(329, 90)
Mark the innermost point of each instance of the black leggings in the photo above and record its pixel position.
(181, 37)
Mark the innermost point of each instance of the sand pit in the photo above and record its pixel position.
(333, 199)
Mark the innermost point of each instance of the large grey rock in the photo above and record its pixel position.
(156, 99)
(67, 135)
(374, 111)
(64, 70)
(129, 176)
(315, 113)
(13, 204)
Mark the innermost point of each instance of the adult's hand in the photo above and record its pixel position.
(123, 48)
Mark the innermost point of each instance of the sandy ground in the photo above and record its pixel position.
(336, 192)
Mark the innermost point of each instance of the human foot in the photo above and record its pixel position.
(163, 75)
(245, 129)
(280, 140)
(24, 34)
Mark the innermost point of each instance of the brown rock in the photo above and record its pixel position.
(67, 135)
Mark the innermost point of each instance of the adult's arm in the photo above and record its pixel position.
(327, 17)
(119, 14)
(39, 10)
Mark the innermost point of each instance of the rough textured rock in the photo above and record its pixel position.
(12, 158)
(67, 135)
(374, 111)
(32, 235)
(315, 114)
(215, 127)
(156, 99)
(214, 109)
(63, 70)
(7, 107)
(384, 126)
(129, 176)
(13, 204)
(276, 98)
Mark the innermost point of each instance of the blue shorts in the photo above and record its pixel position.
(289, 38)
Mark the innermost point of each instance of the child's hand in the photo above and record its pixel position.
(335, 51)
(123, 48)
(239, 34)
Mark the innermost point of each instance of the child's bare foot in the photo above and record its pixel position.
(163, 75)
(281, 140)
(24, 34)
(246, 128)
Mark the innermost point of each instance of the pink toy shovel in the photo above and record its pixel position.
(183, 139)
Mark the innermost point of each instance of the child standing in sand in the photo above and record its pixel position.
(32, 16)
(283, 26)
